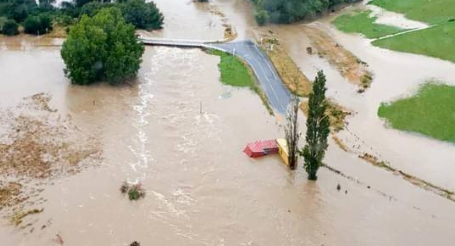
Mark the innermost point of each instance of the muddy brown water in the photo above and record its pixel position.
(201, 189)
(396, 75)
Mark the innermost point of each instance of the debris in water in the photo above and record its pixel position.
(135, 243)
(338, 187)
(309, 50)
(135, 192)
(124, 188)
(19, 216)
(58, 239)
(225, 95)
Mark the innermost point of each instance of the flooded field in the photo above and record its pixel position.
(180, 132)
(396, 75)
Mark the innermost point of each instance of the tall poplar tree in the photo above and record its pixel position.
(317, 128)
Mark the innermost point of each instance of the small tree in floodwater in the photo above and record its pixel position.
(291, 131)
(317, 128)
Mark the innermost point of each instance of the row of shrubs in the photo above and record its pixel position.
(33, 24)
(39, 19)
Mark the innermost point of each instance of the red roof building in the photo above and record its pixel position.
(261, 148)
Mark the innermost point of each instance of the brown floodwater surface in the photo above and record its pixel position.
(201, 189)
(396, 75)
(180, 132)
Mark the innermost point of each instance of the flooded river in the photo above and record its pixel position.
(180, 132)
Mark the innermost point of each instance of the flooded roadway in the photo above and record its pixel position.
(201, 189)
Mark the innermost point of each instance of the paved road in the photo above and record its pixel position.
(278, 95)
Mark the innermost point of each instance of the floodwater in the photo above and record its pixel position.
(396, 75)
(180, 132)
(394, 19)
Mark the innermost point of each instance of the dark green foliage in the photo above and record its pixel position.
(10, 28)
(80, 3)
(70, 9)
(102, 48)
(92, 8)
(38, 24)
(287, 11)
(38, 18)
(317, 128)
(143, 15)
(134, 191)
(17, 10)
(261, 17)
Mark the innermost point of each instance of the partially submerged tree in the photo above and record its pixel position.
(102, 48)
(38, 24)
(291, 131)
(317, 128)
(142, 14)
(9, 28)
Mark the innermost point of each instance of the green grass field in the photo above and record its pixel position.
(430, 112)
(236, 73)
(438, 41)
(233, 71)
(430, 11)
(361, 22)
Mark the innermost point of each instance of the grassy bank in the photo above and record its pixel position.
(350, 67)
(430, 112)
(438, 41)
(287, 69)
(430, 11)
(235, 72)
(336, 113)
(362, 22)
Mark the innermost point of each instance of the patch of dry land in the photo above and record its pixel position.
(352, 68)
(37, 145)
(337, 114)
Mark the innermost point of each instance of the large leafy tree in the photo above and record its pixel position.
(38, 24)
(17, 9)
(102, 48)
(9, 28)
(143, 15)
(317, 128)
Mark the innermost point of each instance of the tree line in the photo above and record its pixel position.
(288, 11)
(39, 18)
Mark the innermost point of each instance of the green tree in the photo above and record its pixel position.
(317, 128)
(10, 28)
(102, 48)
(92, 8)
(261, 17)
(17, 9)
(287, 11)
(143, 15)
(38, 24)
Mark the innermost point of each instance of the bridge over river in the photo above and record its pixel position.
(277, 94)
